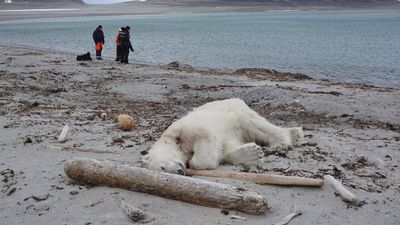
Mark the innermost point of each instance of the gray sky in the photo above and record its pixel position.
(104, 1)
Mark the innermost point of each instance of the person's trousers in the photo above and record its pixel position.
(99, 48)
(118, 53)
(124, 54)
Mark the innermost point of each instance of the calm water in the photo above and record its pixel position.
(341, 45)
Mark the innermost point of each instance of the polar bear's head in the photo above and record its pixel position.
(165, 157)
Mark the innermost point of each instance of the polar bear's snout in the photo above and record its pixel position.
(172, 167)
(164, 164)
(176, 168)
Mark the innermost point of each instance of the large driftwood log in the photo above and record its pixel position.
(258, 178)
(166, 185)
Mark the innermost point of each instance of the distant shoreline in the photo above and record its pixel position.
(37, 10)
(142, 8)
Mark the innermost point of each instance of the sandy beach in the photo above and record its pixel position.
(352, 133)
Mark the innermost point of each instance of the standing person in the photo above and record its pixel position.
(125, 45)
(98, 38)
(118, 44)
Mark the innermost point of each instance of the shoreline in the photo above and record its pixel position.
(383, 75)
(158, 8)
(205, 70)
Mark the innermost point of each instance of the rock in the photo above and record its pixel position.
(73, 193)
(117, 140)
(103, 116)
(41, 197)
(185, 86)
(224, 212)
(28, 140)
(176, 65)
(12, 191)
(271, 74)
(125, 122)
(144, 152)
(91, 117)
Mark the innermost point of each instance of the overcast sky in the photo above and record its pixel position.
(104, 1)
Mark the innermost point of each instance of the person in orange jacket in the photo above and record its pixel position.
(118, 44)
(98, 38)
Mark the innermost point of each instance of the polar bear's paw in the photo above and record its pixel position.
(281, 146)
(293, 136)
(296, 136)
(246, 154)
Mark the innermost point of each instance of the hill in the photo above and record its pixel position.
(41, 2)
(281, 3)
(44, 1)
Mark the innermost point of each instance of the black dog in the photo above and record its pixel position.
(84, 57)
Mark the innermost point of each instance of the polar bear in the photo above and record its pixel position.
(225, 131)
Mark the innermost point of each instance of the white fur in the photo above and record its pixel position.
(216, 132)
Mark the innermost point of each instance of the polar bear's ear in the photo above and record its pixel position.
(146, 158)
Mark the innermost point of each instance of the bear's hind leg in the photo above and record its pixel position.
(247, 154)
(274, 136)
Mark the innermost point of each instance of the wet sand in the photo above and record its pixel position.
(352, 133)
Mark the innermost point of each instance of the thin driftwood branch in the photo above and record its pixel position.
(258, 178)
(72, 148)
(44, 106)
(345, 194)
(236, 217)
(187, 189)
(63, 134)
(295, 212)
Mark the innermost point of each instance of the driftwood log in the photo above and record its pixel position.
(63, 134)
(345, 194)
(166, 185)
(258, 178)
(295, 212)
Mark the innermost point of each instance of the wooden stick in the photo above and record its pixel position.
(236, 217)
(258, 178)
(345, 194)
(63, 134)
(72, 148)
(43, 106)
(295, 212)
(187, 189)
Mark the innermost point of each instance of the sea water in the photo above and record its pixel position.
(349, 46)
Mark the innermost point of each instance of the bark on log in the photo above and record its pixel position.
(258, 178)
(166, 185)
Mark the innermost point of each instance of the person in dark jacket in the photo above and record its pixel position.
(125, 45)
(98, 38)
